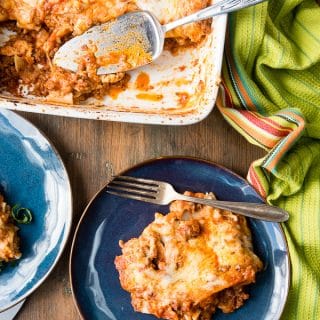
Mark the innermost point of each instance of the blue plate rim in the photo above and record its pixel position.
(146, 162)
(69, 219)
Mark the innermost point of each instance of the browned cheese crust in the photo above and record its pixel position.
(188, 263)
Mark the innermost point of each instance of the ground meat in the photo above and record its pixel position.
(42, 27)
(9, 241)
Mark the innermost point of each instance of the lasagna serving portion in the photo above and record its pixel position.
(40, 27)
(9, 241)
(188, 263)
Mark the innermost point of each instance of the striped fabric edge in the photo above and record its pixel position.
(296, 123)
(258, 178)
(276, 134)
(234, 76)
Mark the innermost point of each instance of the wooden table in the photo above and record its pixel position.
(93, 150)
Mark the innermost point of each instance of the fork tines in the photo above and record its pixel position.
(133, 188)
(137, 180)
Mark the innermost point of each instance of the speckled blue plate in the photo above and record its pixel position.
(32, 175)
(109, 218)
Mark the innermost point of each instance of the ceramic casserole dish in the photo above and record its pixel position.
(182, 88)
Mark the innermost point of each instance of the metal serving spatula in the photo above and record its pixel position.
(133, 39)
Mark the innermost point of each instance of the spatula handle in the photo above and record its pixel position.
(221, 7)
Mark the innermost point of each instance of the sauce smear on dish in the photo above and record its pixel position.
(143, 81)
(150, 96)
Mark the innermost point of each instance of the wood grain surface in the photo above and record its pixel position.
(93, 150)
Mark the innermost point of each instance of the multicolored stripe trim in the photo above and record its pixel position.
(276, 134)
(295, 124)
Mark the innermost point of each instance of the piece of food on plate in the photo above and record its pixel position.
(190, 262)
(39, 28)
(9, 240)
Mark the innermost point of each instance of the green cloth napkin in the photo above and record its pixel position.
(271, 95)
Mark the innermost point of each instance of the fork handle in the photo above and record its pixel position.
(221, 7)
(260, 211)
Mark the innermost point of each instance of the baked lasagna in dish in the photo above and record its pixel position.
(9, 241)
(190, 262)
(39, 27)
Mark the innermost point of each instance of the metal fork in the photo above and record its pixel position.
(163, 193)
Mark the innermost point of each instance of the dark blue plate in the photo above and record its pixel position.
(108, 219)
(32, 175)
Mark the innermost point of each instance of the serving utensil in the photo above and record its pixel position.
(131, 40)
(159, 192)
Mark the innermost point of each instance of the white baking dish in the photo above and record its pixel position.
(192, 73)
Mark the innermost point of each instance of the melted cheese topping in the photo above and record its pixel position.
(189, 262)
(9, 242)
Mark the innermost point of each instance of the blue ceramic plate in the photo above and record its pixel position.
(108, 219)
(32, 175)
